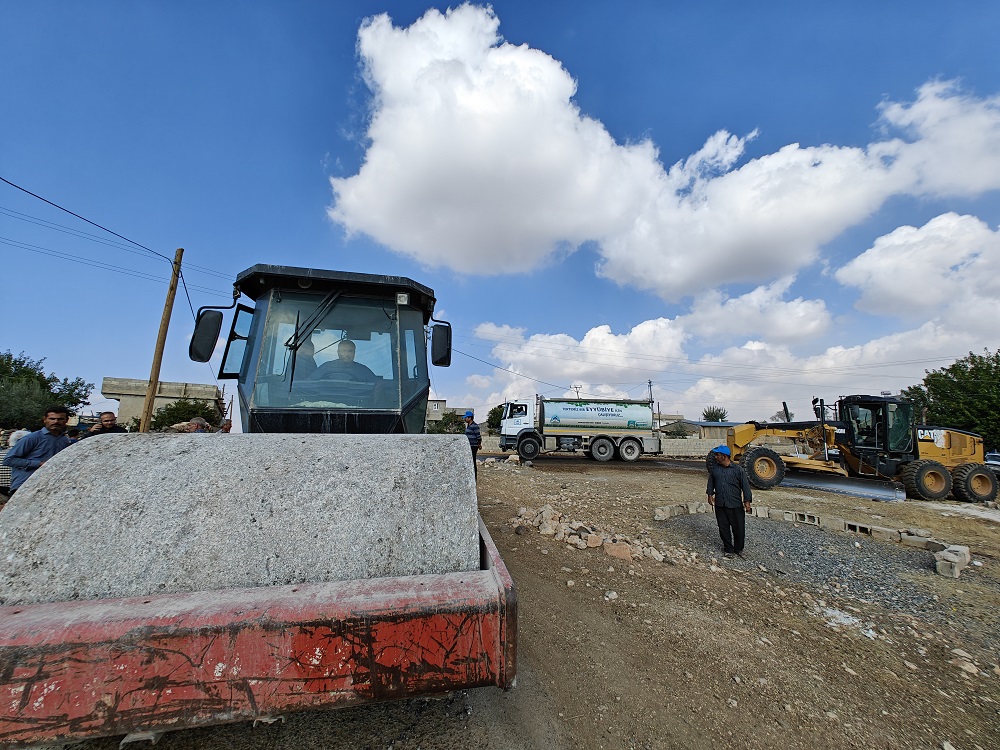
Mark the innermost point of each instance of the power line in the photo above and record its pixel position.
(10, 213)
(82, 218)
(100, 264)
(526, 377)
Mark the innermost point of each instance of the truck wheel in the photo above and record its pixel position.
(974, 483)
(764, 467)
(602, 449)
(926, 480)
(529, 448)
(629, 450)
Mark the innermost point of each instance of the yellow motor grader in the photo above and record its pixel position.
(871, 437)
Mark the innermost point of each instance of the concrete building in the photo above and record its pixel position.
(131, 394)
(438, 407)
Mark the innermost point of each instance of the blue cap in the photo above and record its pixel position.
(723, 449)
(469, 414)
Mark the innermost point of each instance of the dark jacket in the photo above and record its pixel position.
(730, 486)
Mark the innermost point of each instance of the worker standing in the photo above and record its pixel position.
(33, 451)
(475, 436)
(730, 495)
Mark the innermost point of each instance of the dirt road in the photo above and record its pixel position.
(816, 640)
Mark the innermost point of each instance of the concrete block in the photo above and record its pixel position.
(933, 545)
(947, 569)
(134, 515)
(883, 534)
(789, 516)
(831, 523)
(760, 511)
(808, 518)
(955, 554)
(910, 540)
(775, 514)
(858, 528)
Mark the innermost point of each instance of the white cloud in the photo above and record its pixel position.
(949, 264)
(479, 381)
(954, 146)
(763, 311)
(596, 362)
(480, 161)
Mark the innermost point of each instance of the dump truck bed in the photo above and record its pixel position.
(84, 669)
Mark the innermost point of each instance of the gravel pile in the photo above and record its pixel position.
(847, 565)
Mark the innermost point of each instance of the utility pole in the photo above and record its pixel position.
(577, 389)
(161, 340)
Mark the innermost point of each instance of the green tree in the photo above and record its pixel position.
(965, 395)
(714, 414)
(677, 430)
(183, 410)
(493, 419)
(450, 422)
(26, 390)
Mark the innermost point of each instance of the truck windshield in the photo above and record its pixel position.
(363, 353)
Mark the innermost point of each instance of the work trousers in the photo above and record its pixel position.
(732, 527)
(475, 466)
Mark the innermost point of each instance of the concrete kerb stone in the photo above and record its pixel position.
(950, 560)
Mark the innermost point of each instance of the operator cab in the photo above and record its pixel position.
(878, 423)
(327, 351)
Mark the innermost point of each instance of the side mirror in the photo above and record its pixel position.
(441, 345)
(205, 336)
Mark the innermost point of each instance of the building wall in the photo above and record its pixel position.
(131, 395)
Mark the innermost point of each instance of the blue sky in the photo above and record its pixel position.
(744, 203)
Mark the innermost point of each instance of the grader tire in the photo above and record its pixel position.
(974, 483)
(764, 467)
(926, 480)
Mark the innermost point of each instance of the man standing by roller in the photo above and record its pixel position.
(475, 436)
(31, 452)
(730, 495)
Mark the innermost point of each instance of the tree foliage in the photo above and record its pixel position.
(965, 395)
(26, 390)
(493, 418)
(714, 414)
(450, 422)
(183, 410)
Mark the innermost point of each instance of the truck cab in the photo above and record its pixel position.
(328, 351)
(517, 418)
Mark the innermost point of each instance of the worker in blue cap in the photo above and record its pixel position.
(475, 436)
(729, 493)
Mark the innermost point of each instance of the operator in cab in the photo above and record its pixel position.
(344, 367)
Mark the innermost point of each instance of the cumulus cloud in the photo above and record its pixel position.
(761, 311)
(480, 161)
(951, 262)
(595, 362)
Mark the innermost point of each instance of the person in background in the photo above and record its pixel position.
(730, 495)
(73, 434)
(198, 424)
(107, 426)
(475, 436)
(226, 426)
(31, 453)
(17, 435)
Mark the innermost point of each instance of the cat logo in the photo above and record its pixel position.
(933, 436)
